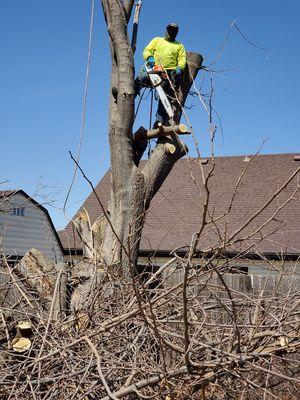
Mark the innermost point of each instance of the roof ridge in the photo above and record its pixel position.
(240, 156)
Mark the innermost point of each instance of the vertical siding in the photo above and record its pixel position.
(18, 234)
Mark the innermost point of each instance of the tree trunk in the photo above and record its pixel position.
(132, 188)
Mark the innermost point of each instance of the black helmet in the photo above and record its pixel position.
(172, 30)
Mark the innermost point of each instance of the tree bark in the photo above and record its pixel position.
(120, 129)
(84, 229)
(132, 188)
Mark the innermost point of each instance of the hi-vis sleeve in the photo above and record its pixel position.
(181, 60)
(149, 49)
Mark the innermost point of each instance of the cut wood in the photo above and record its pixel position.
(83, 225)
(143, 134)
(169, 148)
(21, 344)
(37, 273)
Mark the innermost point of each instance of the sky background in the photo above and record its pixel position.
(44, 47)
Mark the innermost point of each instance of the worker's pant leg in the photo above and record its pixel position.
(161, 114)
(142, 80)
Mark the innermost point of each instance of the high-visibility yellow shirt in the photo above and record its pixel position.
(167, 54)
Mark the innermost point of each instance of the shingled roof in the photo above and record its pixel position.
(176, 210)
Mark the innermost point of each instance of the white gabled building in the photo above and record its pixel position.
(26, 224)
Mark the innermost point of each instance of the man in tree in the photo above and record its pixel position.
(171, 56)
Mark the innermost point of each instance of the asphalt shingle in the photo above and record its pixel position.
(176, 210)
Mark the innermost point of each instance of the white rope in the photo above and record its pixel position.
(83, 119)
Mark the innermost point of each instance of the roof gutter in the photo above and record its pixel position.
(228, 255)
(225, 255)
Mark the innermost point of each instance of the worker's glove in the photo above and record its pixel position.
(150, 62)
(178, 72)
(176, 76)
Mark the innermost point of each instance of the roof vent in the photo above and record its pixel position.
(246, 159)
(204, 161)
(297, 158)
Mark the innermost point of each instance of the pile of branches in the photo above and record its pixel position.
(178, 331)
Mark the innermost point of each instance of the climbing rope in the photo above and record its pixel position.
(83, 118)
(150, 122)
(138, 106)
(151, 110)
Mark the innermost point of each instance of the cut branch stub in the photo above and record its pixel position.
(143, 134)
(83, 225)
(169, 148)
(194, 64)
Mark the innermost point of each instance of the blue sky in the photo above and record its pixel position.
(44, 47)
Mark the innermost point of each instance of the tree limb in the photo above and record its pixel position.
(135, 25)
(128, 5)
(161, 162)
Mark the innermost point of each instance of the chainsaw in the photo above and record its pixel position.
(156, 76)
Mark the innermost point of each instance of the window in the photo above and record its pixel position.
(18, 211)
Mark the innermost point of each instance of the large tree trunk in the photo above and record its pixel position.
(123, 171)
(132, 188)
